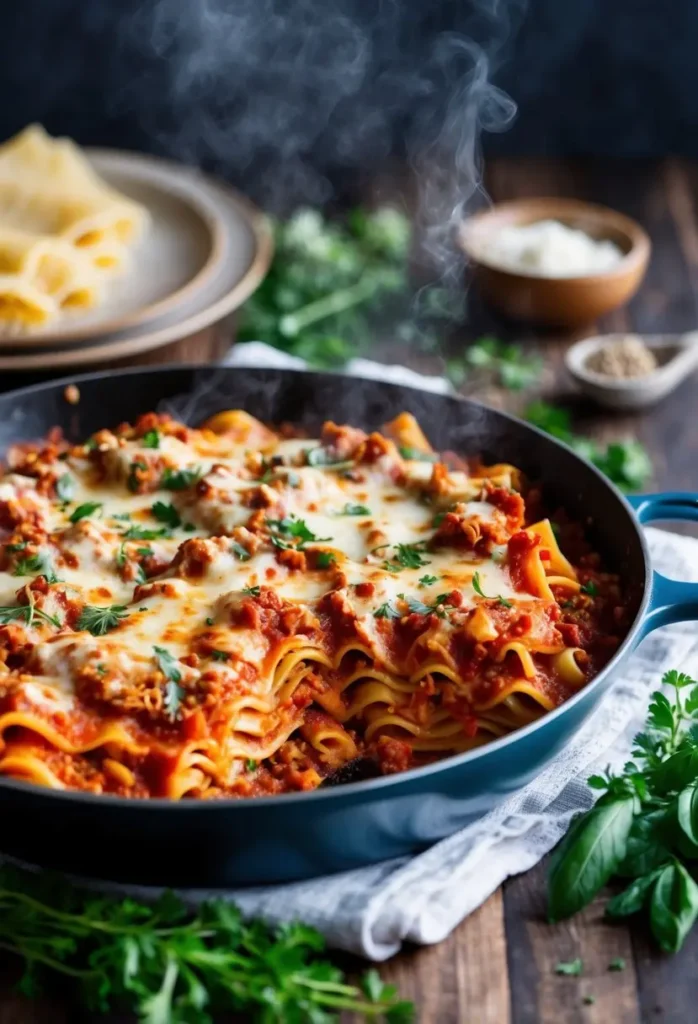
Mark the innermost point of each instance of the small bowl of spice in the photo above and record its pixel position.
(629, 372)
(560, 262)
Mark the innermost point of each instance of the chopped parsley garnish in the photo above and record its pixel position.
(477, 587)
(170, 668)
(65, 487)
(20, 546)
(121, 555)
(101, 669)
(250, 592)
(151, 439)
(321, 457)
(180, 479)
(387, 611)
(36, 565)
(132, 481)
(251, 764)
(618, 964)
(417, 607)
(417, 454)
(589, 588)
(166, 513)
(84, 511)
(122, 516)
(239, 551)
(143, 533)
(425, 581)
(209, 622)
(352, 509)
(438, 519)
(407, 556)
(573, 967)
(220, 655)
(13, 612)
(325, 559)
(99, 619)
(188, 527)
(292, 527)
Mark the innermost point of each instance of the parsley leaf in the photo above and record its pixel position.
(573, 967)
(220, 655)
(166, 513)
(239, 551)
(478, 590)
(352, 509)
(323, 458)
(84, 511)
(13, 612)
(407, 556)
(169, 666)
(99, 619)
(180, 479)
(387, 611)
(426, 581)
(589, 588)
(174, 694)
(65, 487)
(39, 564)
(293, 527)
(324, 559)
(143, 533)
(151, 439)
(250, 592)
(251, 764)
(417, 455)
(165, 962)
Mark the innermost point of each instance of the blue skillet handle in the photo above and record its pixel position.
(671, 600)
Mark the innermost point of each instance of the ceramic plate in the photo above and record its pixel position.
(178, 254)
(245, 246)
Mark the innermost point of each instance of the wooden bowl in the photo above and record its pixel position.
(557, 301)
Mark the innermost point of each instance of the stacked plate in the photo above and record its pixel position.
(206, 251)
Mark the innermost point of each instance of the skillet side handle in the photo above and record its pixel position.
(671, 600)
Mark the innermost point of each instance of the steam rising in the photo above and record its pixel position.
(298, 100)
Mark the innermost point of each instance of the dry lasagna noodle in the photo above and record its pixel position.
(229, 611)
(62, 229)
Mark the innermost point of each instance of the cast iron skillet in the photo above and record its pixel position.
(273, 839)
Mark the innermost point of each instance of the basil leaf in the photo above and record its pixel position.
(645, 848)
(632, 899)
(679, 770)
(65, 487)
(687, 812)
(674, 907)
(588, 856)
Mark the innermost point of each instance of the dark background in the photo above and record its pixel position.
(297, 99)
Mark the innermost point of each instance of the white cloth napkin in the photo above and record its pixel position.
(373, 910)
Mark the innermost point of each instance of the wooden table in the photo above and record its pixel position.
(498, 966)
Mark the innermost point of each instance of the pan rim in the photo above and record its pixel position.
(344, 792)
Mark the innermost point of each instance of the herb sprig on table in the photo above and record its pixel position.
(510, 366)
(644, 827)
(169, 965)
(626, 463)
(325, 280)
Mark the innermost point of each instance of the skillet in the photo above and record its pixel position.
(227, 843)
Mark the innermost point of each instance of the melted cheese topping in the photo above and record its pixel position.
(180, 603)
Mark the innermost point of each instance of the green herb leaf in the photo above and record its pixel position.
(617, 964)
(144, 533)
(251, 764)
(99, 619)
(249, 592)
(239, 551)
(426, 581)
(387, 611)
(28, 612)
(674, 907)
(84, 511)
(571, 967)
(407, 556)
(588, 856)
(589, 588)
(325, 559)
(417, 455)
(39, 564)
(321, 457)
(166, 513)
(173, 697)
(293, 527)
(633, 899)
(352, 509)
(180, 479)
(477, 587)
(220, 655)
(151, 439)
(65, 487)
(169, 665)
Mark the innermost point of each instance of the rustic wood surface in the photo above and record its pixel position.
(498, 966)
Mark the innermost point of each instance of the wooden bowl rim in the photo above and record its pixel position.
(524, 211)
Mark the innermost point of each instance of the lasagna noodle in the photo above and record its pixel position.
(282, 668)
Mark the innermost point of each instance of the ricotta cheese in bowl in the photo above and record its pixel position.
(548, 248)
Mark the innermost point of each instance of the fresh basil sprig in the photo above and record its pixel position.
(644, 827)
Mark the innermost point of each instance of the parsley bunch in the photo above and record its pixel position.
(511, 366)
(169, 965)
(626, 463)
(644, 827)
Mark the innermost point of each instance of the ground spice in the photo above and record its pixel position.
(624, 359)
